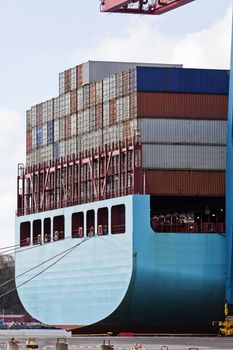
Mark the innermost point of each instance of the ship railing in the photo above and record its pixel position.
(189, 227)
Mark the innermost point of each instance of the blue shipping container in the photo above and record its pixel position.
(50, 132)
(56, 151)
(39, 136)
(182, 80)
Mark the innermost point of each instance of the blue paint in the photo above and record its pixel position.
(229, 194)
(139, 277)
(182, 80)
(56, 151)
(50, 132)
(39, 136)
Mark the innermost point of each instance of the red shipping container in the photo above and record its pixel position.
(112, 112)
(29, 141)
(188, 106)
(79, 72)
(185, 183)
(67, 80)
(99, 116)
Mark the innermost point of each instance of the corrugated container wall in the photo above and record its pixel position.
(183, 157)
(183, 131)
(185, 183)
(179, 80)
(182, 106)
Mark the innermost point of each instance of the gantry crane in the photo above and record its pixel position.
(148, 7)
(157, 7)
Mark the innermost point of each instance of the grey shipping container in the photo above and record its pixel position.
(183, 131)
(183, 157)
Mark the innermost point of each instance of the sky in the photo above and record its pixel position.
(39, 39)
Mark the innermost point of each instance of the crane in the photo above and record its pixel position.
(157, 7)
(148, 7)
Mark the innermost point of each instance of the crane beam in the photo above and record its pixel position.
(148, 7)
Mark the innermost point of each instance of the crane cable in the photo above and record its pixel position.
(68, 251)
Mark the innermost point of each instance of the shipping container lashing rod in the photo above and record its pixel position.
(147, 7)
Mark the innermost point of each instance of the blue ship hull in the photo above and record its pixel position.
(140, 278)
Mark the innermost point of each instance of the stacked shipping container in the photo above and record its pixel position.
(180, 113)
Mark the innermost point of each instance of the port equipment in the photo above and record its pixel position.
(61, 344)
(105, 346)
(31, 344)
(12, 345)
(146, 7)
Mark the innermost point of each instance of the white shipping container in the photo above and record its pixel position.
(56, 130)
(86, 118)
(34, 138)
(33, 116)
(112, 87)
(71, 147)
(44, 111)
(61, 83)
(80, 123)
(46, 153)
(44, 134)
(119, 109)
(62, 148)
(125, 107)
(183, 131)
(80, 99)
(50, 110)
(61, 129)
(106, 92)
(105, 114)
(73, 79)
(56, 107)
(62, 106)
(92, 119)
(184, 157)
(73, 125)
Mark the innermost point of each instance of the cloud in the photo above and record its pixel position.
(12, 151)
(145, 42)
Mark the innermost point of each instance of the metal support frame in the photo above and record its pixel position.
(141, 6)
(79, 179)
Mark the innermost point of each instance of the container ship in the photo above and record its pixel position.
(120, 217)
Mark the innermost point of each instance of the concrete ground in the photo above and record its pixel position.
(49, 340)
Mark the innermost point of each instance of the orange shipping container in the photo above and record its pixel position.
(185, 183)
(73, 101)
(67, 80)
(39, 113)
(188, 106)
(79, 72)
(112, 112)
(126, 130)
(29, 141)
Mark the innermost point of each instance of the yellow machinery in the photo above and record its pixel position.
(225, 328)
